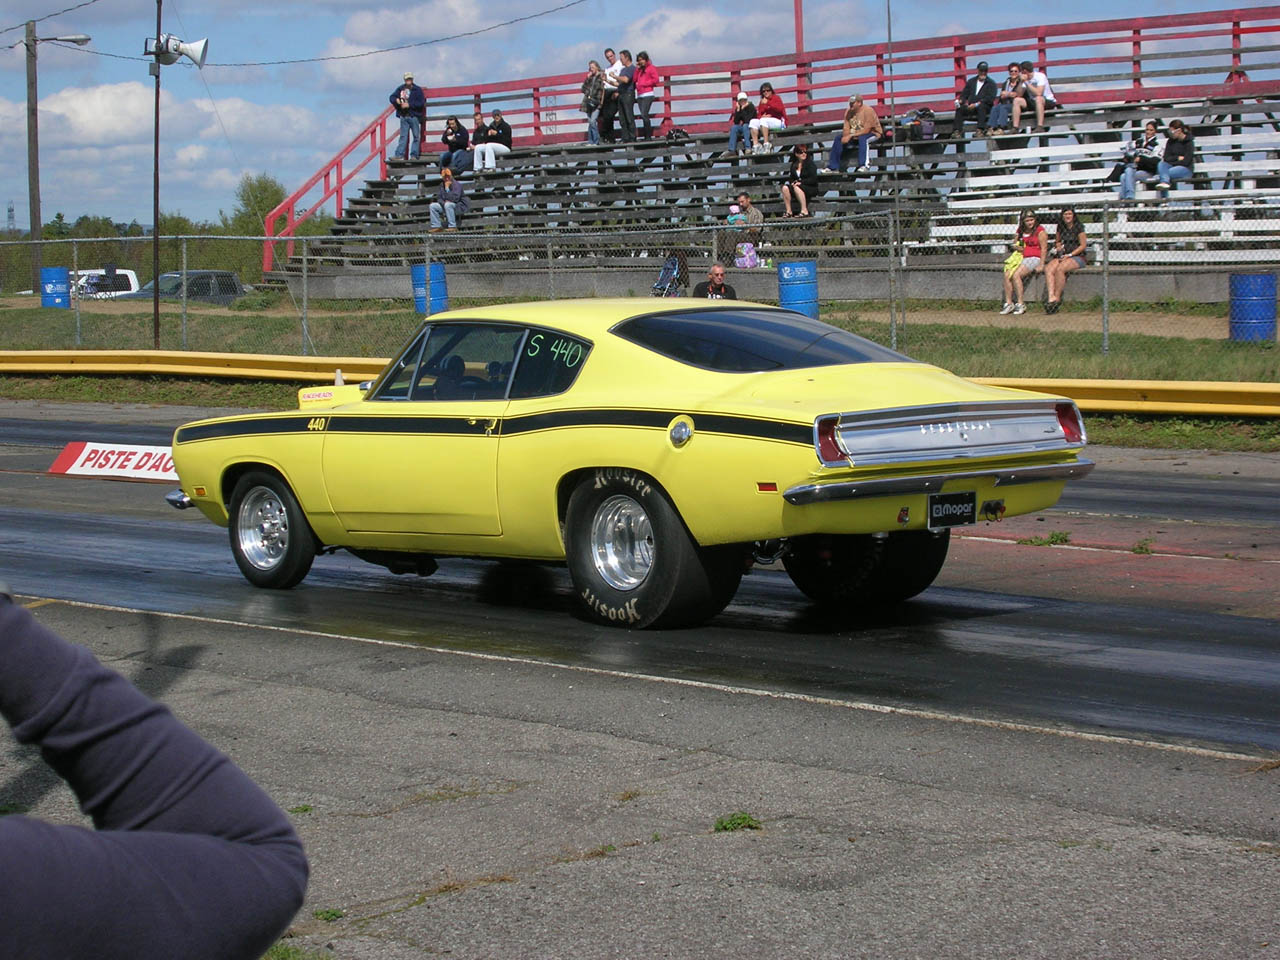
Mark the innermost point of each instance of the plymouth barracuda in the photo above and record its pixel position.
(656, 448)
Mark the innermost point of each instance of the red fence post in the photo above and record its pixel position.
(962, 68)
(1235, 43)
(537, 115)
(1137, 58)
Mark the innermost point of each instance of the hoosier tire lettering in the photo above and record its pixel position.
(626, 613)
(636, 481)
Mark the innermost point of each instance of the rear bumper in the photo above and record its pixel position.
(932, 483)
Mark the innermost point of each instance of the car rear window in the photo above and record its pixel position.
(748, 340)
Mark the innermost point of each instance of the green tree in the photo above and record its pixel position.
(256, 196)
(57, 227)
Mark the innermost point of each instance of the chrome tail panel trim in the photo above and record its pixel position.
(177, 499)
(887, 486)
(951, 431)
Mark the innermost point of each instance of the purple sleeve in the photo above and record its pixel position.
(190, 857)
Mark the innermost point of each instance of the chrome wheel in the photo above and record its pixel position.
(262, 528)
(622, 543)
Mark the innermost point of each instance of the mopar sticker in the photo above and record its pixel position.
(952, 509)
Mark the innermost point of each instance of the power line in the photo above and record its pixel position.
(49, 16)
(367, 53)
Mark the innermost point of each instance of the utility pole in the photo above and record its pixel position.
(33, 158)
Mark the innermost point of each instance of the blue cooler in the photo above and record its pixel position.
(55, 287)
(1253, 306)
(798, 286)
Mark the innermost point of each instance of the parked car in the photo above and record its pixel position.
(105, 284)
(205, 286)
(657, 448)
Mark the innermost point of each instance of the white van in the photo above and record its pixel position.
(104, 284)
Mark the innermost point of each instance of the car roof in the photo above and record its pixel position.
(589, 317)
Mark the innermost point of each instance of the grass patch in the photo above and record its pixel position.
(286, 951)
(162, 391)
(300, 808)
(1225, 434)
(1143, 546)
(1054, 538)
(737, 821)
(328, 916)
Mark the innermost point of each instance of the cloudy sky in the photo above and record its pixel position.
(96, 103)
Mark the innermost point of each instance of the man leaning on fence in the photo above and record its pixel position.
(411, 106)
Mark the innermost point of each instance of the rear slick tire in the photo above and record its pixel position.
(271, 539)
(632, 561)
(833, 569)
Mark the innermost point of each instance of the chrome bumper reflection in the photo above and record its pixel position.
(932, 483)
(177, 499)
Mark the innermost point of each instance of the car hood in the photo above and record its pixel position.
(805, 394)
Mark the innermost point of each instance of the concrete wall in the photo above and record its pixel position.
(960, 282)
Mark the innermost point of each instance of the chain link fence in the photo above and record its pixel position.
(1152, 301)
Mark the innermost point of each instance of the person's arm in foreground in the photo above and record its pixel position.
(190, 859)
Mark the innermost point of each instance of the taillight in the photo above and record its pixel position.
(1071, 422)
(829, 451)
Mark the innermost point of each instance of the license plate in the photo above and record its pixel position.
(952, 509)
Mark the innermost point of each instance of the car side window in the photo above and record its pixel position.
(467, 361)
(226, 285)
(399, 379)
(549, 363)
(198, 287)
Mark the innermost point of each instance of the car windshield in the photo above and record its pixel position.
(747, 340)
(169, 283)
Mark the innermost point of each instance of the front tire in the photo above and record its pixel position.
(632, 561)
(270, 538)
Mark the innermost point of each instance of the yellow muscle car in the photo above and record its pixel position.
(656, 447)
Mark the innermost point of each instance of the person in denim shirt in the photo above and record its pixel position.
(411, 106)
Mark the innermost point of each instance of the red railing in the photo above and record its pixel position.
(815, 86)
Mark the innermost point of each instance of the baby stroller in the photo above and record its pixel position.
(673, 277)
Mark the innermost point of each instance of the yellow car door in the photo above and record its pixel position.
(419, 455)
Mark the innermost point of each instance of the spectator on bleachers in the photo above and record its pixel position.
(976, 100)
(1141, 160)
(627, 96)
(455, 142)
(609, 106)
(744, 112)
(755, 219)
(801, 183)
(1070, 252)
(646, 81)
(479, 134)
(450, 202)
(860, 124)
(1031, 240)
(1037, 93)
(411, 105)
(592, 99)
(1178, 162)
(714, 287)
(497, 143)
(770, 115)
(1013, 91)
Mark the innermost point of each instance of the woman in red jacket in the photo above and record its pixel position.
(770, 115)
(646, 83)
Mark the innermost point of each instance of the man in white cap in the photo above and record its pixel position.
(411, 107)
(744, 111)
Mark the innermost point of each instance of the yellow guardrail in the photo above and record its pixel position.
(1204, 398)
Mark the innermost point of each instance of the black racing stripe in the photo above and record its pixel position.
(714, 423)
(747, 427)
(449, 425)
(586, 418)
(242, 428)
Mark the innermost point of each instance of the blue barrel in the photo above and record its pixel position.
(433, 298)
(1253, 306)
(798, 286)
(55, 287)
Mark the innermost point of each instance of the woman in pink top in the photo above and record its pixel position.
(646, 82)
(1032, 240)
(770, 115)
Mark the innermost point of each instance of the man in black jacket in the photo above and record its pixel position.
(714, 287)
(497, 143)
(975, 100)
